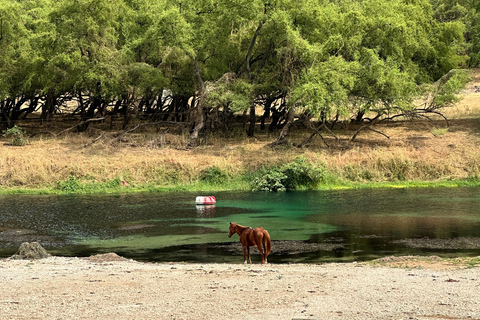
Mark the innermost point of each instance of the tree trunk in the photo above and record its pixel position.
(199, 112)
(251, 127)
(281, 140)
(49, 107)
(89, 113)
(290, 118)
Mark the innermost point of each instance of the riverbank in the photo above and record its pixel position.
(413, 157)
(406, 153)
(111, 287)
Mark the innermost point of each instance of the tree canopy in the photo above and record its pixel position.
(191, 61)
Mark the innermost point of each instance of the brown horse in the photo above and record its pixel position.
(251, 237)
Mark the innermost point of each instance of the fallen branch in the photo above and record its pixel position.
(315, 132)
(95, 140)
(379, 132)
(140, 125)
(417, 113)
(79, 124)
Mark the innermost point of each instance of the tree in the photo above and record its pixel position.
(20, 85)
(467, 12)
(85, 56)
(373, 58)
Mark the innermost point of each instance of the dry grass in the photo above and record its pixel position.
(422, 150)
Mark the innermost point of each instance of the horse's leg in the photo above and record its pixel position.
(244, 254)
(249, 258)
(262, 253)
(259, 242)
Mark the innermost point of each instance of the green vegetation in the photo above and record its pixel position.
(18, 136)
(191, 64)
(298, 175)
(213, 175)
(100, 80)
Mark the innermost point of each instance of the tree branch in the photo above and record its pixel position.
(140, 125)
(79, 124)
(95, 140)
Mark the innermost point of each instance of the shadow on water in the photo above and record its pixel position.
(308, 227)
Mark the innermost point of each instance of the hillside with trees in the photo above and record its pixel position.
(196, 71)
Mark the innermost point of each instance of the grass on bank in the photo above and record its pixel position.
(415, 154)
(297, 175)
(65, 166)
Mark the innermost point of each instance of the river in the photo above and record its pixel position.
(308, 227)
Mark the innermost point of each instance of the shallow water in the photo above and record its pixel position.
(312, 226)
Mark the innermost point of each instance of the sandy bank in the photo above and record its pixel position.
(111, 287)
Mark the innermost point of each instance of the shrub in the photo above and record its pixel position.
(303, 174)
(213, 175)
(69, 185)
(18, 135)
(270, 180)
(300, 174)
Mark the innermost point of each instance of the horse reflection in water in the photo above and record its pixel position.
(251, 237)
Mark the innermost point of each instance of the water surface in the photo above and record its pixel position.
(312, 226)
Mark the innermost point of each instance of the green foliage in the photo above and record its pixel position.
(70, 185)
(448, 88)
(18, 135)
(271, 179)
(467, 13)
(230, 92)
(325, 88)
(333, 58)
(213, 175)
(303, 174)
(296, 175)
(74, 185)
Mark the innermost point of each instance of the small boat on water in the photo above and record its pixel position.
(205, 200)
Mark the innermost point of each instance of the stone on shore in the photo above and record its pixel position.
(30, 251)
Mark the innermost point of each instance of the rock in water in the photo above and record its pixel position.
(30, 251)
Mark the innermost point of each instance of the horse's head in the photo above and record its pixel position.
(232, 229)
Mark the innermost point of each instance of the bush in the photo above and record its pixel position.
(270, 180)
(18, 136)
(303, 174)
(300, 174)
(213, 175)
(69, 185)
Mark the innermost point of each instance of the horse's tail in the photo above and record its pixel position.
(267, 243)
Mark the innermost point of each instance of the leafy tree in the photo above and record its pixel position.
(365, 60)
(20, 59)
(85, 56)
(467, 12)
(373, 58)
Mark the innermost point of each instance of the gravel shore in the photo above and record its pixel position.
(110, 287)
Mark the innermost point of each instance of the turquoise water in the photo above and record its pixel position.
(346, 225)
